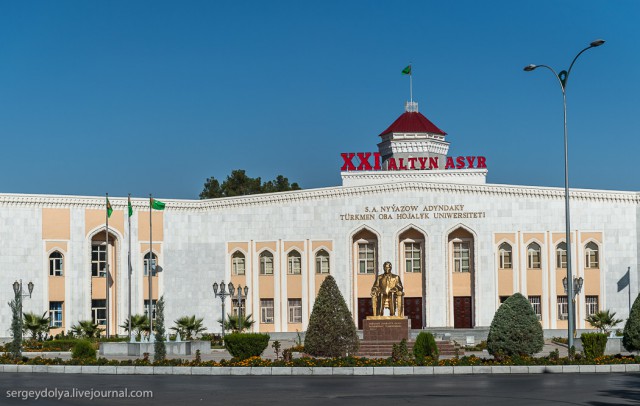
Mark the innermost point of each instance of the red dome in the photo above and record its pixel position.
(413, 122)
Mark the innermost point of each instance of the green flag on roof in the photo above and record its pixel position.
(109, 208)
(407, 70)
(130, 207)
(157, 204)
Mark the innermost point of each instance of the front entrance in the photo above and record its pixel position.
(462, 312)
(365, 308)
(413, 310)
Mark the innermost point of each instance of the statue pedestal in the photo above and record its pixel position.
(386, 328)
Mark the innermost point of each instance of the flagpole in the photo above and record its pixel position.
(129, 260)
(107, 271)
(411, 86)
(149, 266)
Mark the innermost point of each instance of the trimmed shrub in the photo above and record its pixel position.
(82, 350)
(631, 333)
(246, 345)
(331, 331)
(425, 346)
(593, 344)
(400, 351)
(515, 329)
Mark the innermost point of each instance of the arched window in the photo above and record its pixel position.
(55, 264)
(322, 262)
(504, 253)
(534, 256)
(237, 263)
(461, 256)
(294, 261)
(413, 256)
(266, 263)
(99, 259)
(561, 255)
(366, 257)
(591, 259)
(150, 260)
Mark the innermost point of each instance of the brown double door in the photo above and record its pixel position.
(412, 309)
(462, 312)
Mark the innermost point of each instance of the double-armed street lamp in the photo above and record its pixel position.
(224, 293)
(563, 77)
(17, 289)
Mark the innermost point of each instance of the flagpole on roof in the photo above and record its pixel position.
(150, 268)
(106, 276)
(129, 212)
(410, 85)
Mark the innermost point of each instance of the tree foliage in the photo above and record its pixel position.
(237, 323)
(35, 324)
(86, 329)
(604, 320)
(139, 325)
(331, 331)
(425, 346)
(239, 184)
(159, 347)
(631, 334)
(188, 327)
(515, 329)
(15, 346)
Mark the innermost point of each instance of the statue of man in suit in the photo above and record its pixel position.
(387, 292)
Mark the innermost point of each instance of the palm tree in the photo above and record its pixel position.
(37, 325)
(603, 320)
(139, 325)
(188, 327)
(87, 329)
(237, 324)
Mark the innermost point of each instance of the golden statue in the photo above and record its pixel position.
(387, 292)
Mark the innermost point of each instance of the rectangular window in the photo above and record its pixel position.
(295, 267)
(366, 258)
(592, 304)
(154, 263)
(563, 308)
(533, 258)
(235, 307)
(99, 311)
(561, 259)
(153, 308)
(322, 264)
(536, 303)
(266, 311)
(505, 259)
(55, 265)
(412, 257)
(266, 265)
(99, 260)
(295, 310)
(591, 258)
(461, 257)
(55, 314)
(238, 266)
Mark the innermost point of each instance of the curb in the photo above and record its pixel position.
(338, 371)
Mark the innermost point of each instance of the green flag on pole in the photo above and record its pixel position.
(130, 207)
(407, 70)
(109, 208)
(157, 204)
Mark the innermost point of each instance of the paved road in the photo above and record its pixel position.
(518, 390)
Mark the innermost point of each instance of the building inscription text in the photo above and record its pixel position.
(413, 212)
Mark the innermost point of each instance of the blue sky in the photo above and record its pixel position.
(155, 96)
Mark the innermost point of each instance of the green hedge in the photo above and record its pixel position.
(83, 350)
(593, 344)
(425, 346)
(246, 345)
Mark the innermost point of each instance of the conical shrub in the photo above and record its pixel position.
(631, 333)
(515, 329)
(331, 331)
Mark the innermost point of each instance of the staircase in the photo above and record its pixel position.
(382, 349)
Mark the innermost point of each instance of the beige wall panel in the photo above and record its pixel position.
(56, 288)
(319, 280)
(57, 245)
(560, 274)
(234, 246)
(267, 328)
(298, 245)
(461, 283)
(95, 218)
(562, 324)
(511, 237)
(272, 245)
(154, 287)
(98, 288)
(365, 282)
(266, 287)
(237, 280)
(534, 282)
(56, 224)
(295, 326)
(557, 237)
(591, 285)
(294, 286)
(527, 237)
(318, 244)
(143, 225)
(412, 284)
(157, 248)
(505, 282)
(55, 331)
(587, 236)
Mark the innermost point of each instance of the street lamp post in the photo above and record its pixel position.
(223, 295)
(241, 298)
(562, 77)
(577, 287)
(17, 289)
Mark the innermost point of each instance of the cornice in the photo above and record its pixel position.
(496, 190)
